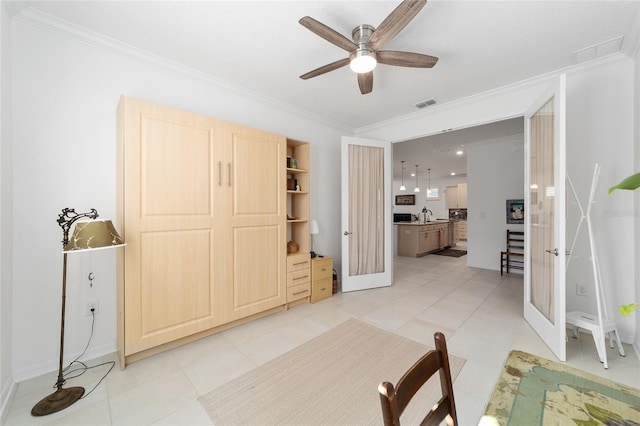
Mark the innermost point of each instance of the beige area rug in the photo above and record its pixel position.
(537, 391)
(330, 380)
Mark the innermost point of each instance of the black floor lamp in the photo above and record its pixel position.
(87, 235)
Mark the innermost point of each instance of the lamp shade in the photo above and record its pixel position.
(93, 235)
(313, 227)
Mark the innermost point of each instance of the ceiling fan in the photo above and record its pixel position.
(364, 50)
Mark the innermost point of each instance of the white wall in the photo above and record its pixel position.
(6, 303)
(599, 125)
(66, 93)
(600, 129)
(495, 174)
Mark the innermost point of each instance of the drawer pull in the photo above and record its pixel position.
(300, 292)
(301, 278)
(300, 263)
(323, 289)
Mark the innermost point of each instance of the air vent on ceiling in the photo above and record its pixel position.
(597, 50)
(426, 103)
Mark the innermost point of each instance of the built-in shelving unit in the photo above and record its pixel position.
(298, 194)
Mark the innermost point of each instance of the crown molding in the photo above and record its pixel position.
(547, 78)
(47, 22)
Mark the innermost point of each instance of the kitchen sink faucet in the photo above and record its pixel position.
(426, 211)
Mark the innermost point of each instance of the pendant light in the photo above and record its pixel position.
(417, 188)
(402, 187)
(429, 183)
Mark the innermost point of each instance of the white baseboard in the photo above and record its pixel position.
(7, 393)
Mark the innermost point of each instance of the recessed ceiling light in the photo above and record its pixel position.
(453, 173)
(459, 152)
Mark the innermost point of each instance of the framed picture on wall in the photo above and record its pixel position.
(405, 200)
(515, 211)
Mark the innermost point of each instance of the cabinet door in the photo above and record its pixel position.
(424, 242)
(462, 195)
(452, 197)
(254, 180)
(171, 203)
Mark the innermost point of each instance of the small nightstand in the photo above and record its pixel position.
(321, 278)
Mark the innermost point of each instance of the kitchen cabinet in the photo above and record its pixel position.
(457, 196)
(462, 229)
(417, 240)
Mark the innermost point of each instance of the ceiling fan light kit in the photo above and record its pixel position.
(364, 50)
(362, 61)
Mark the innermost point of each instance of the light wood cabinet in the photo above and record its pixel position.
(321, 278)
(255, 220)
(457, 196)
(298, 277)
(462, 195)
(298, 218)
(202, 208)
(462, 229)
(418, 240)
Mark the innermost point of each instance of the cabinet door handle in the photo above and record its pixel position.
(219, 173)
(229, 172)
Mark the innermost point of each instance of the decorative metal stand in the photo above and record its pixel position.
(599, 325)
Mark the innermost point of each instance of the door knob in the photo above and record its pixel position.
(347, 233)
(554, 251)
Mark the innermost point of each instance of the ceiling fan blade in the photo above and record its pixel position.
(395, 22)
(328, 34)
(406, 59)
(325, 68)
(365, 81)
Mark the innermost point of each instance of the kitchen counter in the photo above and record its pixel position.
(419, 238)
(422, 223)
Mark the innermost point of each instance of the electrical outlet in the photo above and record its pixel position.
(95, 305)
(581, 289)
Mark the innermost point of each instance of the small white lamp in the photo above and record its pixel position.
(313, 230)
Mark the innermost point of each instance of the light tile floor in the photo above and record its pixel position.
(479, 311)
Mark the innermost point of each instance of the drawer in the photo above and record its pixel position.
(298, 292)
(322, 269)
(298, 277)
(298, 261)
(321, 289)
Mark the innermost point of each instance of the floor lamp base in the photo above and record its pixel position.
(57, 401)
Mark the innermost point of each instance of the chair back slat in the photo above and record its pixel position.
(394, 399)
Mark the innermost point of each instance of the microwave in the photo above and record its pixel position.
(402, 217)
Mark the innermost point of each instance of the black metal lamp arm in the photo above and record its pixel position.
(68, 218)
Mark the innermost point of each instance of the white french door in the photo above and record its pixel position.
(545, 171)
(367, 244)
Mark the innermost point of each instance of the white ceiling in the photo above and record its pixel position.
(260, 46)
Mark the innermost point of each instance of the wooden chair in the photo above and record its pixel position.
(513, 256)
(395, 399)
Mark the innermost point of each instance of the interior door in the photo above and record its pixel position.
(545, 147)
(367, 255)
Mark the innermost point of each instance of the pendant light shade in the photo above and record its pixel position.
(429, 182)
(417, 189)
(402, 187)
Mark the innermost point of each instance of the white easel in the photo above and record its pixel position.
(599, 325)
